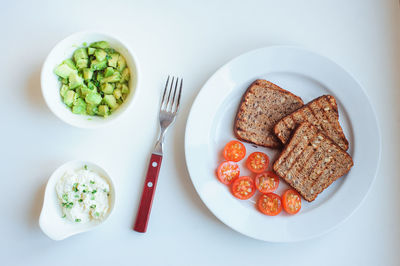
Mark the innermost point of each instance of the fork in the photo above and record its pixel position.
(167, 114)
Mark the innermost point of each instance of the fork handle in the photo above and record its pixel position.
(149, 188)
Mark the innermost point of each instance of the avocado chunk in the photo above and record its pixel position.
(79, 107)
(70, 63)
(98, 65)
(124, 88)
(74, 80)
(125, 75)
(87, 74)
(103, 110)
(100, 44)
(80, 53)
(112, 62)
(115, 77)
(91, 109)
(111, 101)
(121, 63)
(108, 72)
(107, 88)
(64, 70)
(93, 98)
(117, 93)
(63, 90)
(84, 90)
(91, 50)
(69, 98)
(100, 54)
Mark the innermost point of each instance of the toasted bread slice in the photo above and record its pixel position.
(322, 112)
(263, 104)
(311, 161)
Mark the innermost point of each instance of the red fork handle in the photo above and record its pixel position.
(149, 188)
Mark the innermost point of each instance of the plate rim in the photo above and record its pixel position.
(375, 120)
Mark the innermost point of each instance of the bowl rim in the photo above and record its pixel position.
(113, 117)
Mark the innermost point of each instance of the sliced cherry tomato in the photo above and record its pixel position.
(270, 204)
(257, 162)
(227, 172)
(243, 187)
(267, 182)
(234, 151)
(291, 201)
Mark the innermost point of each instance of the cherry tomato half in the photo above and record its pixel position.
(234, 151)
(269, 204)
(257, 162)
(291, 201)
(227, 172)
(267, 182)
(243, 187)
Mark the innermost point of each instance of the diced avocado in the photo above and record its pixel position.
(93, 98)
(63, 81)
(87, 73)
(91, 50)
(112, 62)
(111, 101)
(117, 93)
(98, 65)
(125, 88)
(115, 77)
(80, 107)
(63, 90)
(99, 76)
(100, 54)
(107, 88)
(70, 63)
(80, 53)
(91, 109)
(82, 63)
(120, 101)
(121, 63)
(91, 86)
(125, 75)
(69, 98)
(109, 71)
(74, 80)
(85, 90)
(101, 45)
(103, 110)
(64, 70)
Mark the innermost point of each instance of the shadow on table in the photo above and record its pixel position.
(33, 91)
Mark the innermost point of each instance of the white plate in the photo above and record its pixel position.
(308, 75)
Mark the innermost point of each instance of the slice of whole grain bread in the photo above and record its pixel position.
(262, 105)
(322, 112)
(311, 161)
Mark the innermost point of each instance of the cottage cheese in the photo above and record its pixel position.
(83, 195)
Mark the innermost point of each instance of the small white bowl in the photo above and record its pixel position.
(51, 221)
(51, 85)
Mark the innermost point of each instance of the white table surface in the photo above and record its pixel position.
(192, 40)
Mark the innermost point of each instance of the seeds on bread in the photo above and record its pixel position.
(311, 161)
(322, 112)
(263, 104)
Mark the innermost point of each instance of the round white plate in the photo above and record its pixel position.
(308, 75)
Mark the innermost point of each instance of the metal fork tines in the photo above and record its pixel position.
(168, 108)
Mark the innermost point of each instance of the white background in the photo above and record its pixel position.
(191, 40)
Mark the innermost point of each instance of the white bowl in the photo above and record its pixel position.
(51, 221)
(51, 85)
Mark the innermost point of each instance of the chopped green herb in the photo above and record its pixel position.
(77, 220)
(76, 196)
(64, 216)
(108, 57)
(69, 205)
(97, 214)
(80, 200)
(75, 187)
(65, 197)
(92, 198)
(85, 167)
(94, 191)
(93, 206)
(91, 182)
(84, 44)
(84, 191)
